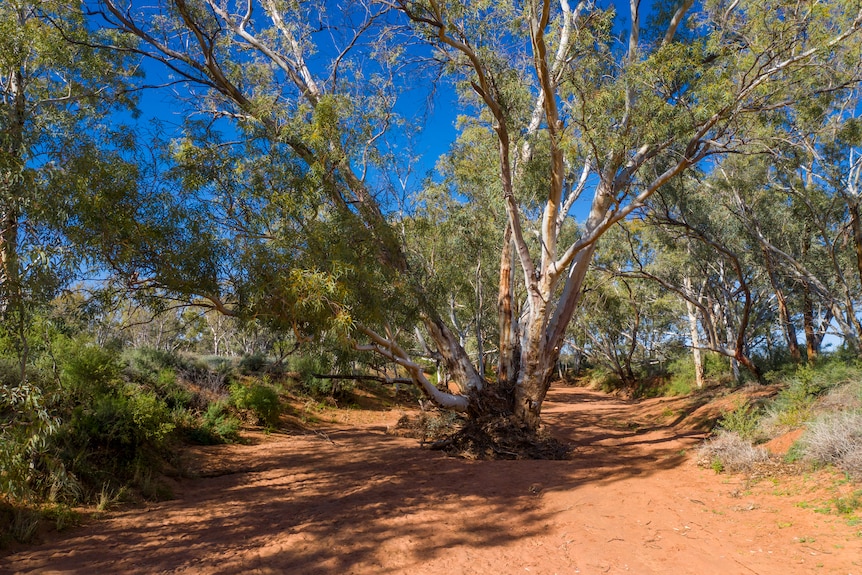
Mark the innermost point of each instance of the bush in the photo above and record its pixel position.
(793, 406)
(28, 427)
(254, 363)
(167, 386)
(259, 398)
(87, 370)
(743, 421)
(728, 451)
(682, 375)
(217, 426)
(835, 439)
(603, 379)
(309, 365)
(104, 440)
(121, 423)
(212, 373)
(142, 362)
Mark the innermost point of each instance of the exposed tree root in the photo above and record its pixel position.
(489, 437)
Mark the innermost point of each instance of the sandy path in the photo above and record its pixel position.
(363, 502)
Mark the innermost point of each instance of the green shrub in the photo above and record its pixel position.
(167, 386)
(679, 386)
(794, 405)
(106, 438)
(682, 376)
(143, 362)
(309, 365)
(743, 420)
(260, 399)
(603, 379)
(151, 416)
(681, 372)
(217, 426)
(254, 363)
(28, 427)
(87, 370)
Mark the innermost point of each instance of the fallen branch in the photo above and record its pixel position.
(358, 377)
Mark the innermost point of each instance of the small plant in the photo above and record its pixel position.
(109, 498)
(260, 399)
(254, 363)
(835, 439)
(62, 515)
(25, 522)
(848, 504)
(728, 451)
(150, 486)
(218, 425)
(743, 420)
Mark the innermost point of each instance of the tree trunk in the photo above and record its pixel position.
(856, 224)
(812, 348)
(783, 313)
(510, 347)
(12, 308)
(699, 372)
(480, 339)
(457, 362)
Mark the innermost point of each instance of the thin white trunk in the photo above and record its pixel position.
(695, 336)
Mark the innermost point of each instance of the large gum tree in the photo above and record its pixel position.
(587, 111)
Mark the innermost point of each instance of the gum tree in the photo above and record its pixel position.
(575, 111)
(56, 89)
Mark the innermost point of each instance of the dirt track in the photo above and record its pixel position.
(356, 500)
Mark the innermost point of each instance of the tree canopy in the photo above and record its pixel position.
(622, 182)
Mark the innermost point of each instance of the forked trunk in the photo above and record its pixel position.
(783, 313)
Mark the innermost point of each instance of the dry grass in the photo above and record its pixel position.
(836, 439)
(728, 451)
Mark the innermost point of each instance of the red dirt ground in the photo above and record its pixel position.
(352, 499)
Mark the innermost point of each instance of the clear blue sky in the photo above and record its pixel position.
(437, 123)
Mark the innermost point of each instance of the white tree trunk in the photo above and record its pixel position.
(695, 336)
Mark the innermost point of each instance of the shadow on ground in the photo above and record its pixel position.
(328, 503)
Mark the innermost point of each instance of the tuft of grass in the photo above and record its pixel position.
(62, 515)
(835, 439)
(25, 523)
(728, 451)
(110, 498)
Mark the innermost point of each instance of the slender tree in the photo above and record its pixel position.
(55, 90)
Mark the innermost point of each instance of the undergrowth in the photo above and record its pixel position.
(825, 400)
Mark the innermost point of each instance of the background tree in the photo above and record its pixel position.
(54, 96)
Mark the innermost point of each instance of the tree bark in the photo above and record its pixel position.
(12, 308)
(812, 347)
(856, 224)
(699, 372)
(510, 347)
(783, 313)
(458, 363)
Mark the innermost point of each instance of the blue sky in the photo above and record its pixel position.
(437, 122)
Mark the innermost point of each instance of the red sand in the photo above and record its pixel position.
(355, 500)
